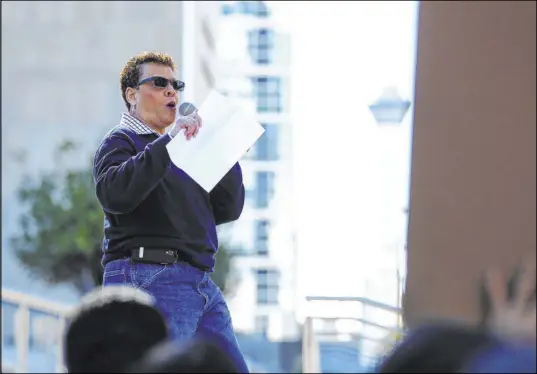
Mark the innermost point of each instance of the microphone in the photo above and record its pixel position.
(187, 108)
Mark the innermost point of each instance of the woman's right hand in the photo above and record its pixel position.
(190, 123)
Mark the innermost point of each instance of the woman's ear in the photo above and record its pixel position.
(132, 96)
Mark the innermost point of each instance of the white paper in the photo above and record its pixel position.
(228, 131)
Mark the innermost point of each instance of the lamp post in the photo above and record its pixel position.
(389, 108)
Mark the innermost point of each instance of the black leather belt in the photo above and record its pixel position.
(154, 256)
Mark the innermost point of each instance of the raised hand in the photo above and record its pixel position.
(512, 312)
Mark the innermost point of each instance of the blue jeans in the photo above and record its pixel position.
(192, 304)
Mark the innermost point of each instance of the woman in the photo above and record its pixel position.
(160, 225)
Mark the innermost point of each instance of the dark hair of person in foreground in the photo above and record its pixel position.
(112, 328)
(438, 348)
(199, 355)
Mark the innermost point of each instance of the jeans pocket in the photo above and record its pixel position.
(143, 275)
(114, 277)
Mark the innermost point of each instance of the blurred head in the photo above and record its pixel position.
(199, 355)
(150, 89)
(438, 348)
(505, 358)
(111, 328)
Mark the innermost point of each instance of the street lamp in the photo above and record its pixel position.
(389, 108)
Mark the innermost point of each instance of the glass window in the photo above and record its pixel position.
(252, 153)
(264, 188)
(267, 286)
(227, 9)
(261, 325)
(261, 45)
(254, 8)
(249, 194)
(267, 92)
(267, 145)
(261, 237)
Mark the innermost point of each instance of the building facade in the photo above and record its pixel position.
(60, 78)
(254, 69)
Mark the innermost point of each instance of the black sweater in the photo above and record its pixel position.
(149, 202)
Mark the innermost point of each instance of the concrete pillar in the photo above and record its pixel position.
(472, 199)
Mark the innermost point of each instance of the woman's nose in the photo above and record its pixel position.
(170, 91)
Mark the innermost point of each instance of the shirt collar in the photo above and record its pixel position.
(136, 125)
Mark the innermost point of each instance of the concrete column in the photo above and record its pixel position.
(472, 199)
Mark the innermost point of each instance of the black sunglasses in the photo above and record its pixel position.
(162, 82)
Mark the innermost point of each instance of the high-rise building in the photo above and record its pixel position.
(254, 57)
(60, 77)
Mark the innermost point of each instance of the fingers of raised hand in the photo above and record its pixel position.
(495, 283)
(186, 120)
(191, 131)
(526, 287)
(191, 124)
(197, 118)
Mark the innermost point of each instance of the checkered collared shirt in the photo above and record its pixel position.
(136, 125)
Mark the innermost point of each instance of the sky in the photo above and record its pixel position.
(348, 172)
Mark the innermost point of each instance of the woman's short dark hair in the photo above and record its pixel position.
(130, 75)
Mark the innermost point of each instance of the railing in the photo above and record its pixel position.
(55, 318)
(311, 352)
(52, 320)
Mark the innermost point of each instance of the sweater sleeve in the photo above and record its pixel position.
(124, 179)
(227, 198)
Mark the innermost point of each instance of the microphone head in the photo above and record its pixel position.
(187, 108)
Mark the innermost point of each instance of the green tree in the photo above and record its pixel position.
(223, 276)
(62, 228)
